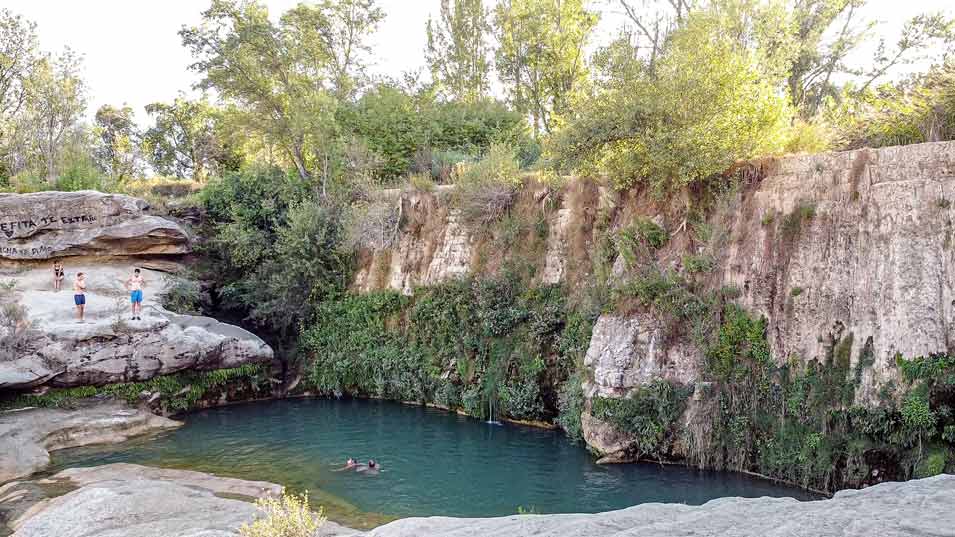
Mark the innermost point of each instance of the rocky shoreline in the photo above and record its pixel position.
(27, 436)
(137, 501)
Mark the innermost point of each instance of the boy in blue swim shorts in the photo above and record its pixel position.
(135, 286)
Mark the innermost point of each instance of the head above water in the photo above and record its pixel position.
(136, 271)
(372, 463)
(80, 275)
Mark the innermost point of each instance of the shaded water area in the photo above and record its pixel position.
(433, 462)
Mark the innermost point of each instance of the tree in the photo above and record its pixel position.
(341, 28)
(540, 59)
(284, 77)
(186, 139)
(18, 55)
(823, 33)
(56, 100)
(654, 21)
(117, 142)
(918, 35)
(457, 51)
(706, 105)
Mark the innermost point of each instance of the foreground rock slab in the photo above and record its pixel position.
(920, 508)
(109, 347)
(129, 500)
(28, 436)
(44, 225)
(136, 501)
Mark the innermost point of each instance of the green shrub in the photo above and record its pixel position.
(182, 295)
(286, 516)
(570, 404)
(485, 190)
(179, 392)
(421, 182)
(695, 264)
(648, 128)
(933, 463)
(649, 414)
(466, 344)
(793, 222)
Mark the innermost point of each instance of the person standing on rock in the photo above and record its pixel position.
(79, 294)
(135, 286)
(58, 275)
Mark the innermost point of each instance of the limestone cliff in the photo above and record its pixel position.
(104, 236)
(851, 248)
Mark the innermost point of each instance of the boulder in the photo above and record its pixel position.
(45, 225)
(109, 347)
(27, 436)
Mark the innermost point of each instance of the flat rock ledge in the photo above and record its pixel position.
(27, 436)
(129, 500)
(910, 509)
(108, 347)
(135, 501)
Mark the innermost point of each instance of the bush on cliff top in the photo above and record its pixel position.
(706, 105)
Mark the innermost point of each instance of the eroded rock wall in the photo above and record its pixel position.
(44, 225)
(827, 247)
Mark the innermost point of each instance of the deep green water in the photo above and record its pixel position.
(433, 462)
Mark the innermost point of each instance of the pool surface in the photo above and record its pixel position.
(433, 462)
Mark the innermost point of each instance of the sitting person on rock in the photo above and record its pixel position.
(79, 294)
(58, 276)
(135, 285)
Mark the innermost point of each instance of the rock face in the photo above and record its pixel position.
(55, 224)
(108, 347)
(105, 236)
(134, 501)
(830, 248)
(28, 436)
(872, 262)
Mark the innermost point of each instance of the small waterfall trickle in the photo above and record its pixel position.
(490, 412)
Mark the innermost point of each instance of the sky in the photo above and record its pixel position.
(133, 54)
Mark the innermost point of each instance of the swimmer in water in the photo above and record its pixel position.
(349, 464)
(372, 468)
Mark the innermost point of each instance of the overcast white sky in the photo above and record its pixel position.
(133, 54)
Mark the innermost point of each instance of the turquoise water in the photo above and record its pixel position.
(433, 462)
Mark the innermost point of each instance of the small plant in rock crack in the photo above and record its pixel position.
(119, 324)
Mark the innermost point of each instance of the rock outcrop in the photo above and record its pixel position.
(135, 501)
(104, 236)
(108, 347)
(56, 224)
(27, 436)
(128, 500)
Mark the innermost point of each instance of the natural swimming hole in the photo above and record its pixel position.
(433, 462)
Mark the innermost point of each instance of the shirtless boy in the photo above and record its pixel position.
(79, 294)
(135, 286)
